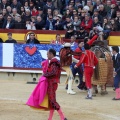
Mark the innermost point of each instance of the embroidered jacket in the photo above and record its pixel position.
(88, 58)
(53, 71)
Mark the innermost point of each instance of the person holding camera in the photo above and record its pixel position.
(59, 24)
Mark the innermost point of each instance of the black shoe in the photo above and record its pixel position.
(66, 87)
(116, 98)
(85, 88)
(88, 98)
(94, 95)
(65, 119)
(80, 88)
(96, 91)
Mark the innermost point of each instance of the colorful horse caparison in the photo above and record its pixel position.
(103, 73)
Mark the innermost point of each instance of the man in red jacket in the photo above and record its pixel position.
(53, 74)
(87, 22)
(90, 61)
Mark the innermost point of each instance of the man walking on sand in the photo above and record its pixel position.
(53, 75)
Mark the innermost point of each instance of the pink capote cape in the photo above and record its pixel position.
(39, 97)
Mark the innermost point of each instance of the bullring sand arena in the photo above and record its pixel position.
(14, 94)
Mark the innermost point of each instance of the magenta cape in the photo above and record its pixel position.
(39, 98)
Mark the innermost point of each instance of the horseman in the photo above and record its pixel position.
(66, 60)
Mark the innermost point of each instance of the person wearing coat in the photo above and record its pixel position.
(50, 23)
(32, 39)
(76, 23)
(116, 65)
(9, 23)
(87, 22)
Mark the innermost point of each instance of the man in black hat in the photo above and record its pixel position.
(81, 34)
(70, 32)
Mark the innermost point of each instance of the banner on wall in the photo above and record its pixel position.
(25, 55)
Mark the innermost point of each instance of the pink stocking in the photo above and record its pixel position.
(117, 93)
(62, 117)
(51, 114)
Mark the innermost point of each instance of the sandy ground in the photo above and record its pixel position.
(14, 94)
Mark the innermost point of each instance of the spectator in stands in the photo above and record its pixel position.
(50, 23)
(58, 4)
(70, 32)
(89, 4)
(48, 5)
(22, 11)
(77, 4)
(76, 23)
(118, 19)
(117, 16)
(9, 23)
(40, 10)
(14, 13)
(40, 23)
(26, 5)
(67, 23)
(59, 23)
(10, 39)
(87, 22)
(55, 14)
(1, 20)
(96, 14)
(28, 25)
(58, 40)
(118, 7)
(1, 41)
(19, 24)
(75, 13)
(9, 10)
(17, 5)
(102, 11)
(4, 12)
(32, 39)
(49, 12)
(82, 17)
(67, 13)
(31, 5)
(97, 3)
(106, 25)
(82, 33)
(34, 11)
(72, 39)
(27, 15)
(96, 22)
(3, 5)
(39, 4)
(113, 25)
(70, 7)
(113, 11)
(80, 7)
(108, 8)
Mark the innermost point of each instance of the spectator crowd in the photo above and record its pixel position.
(78, 17)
